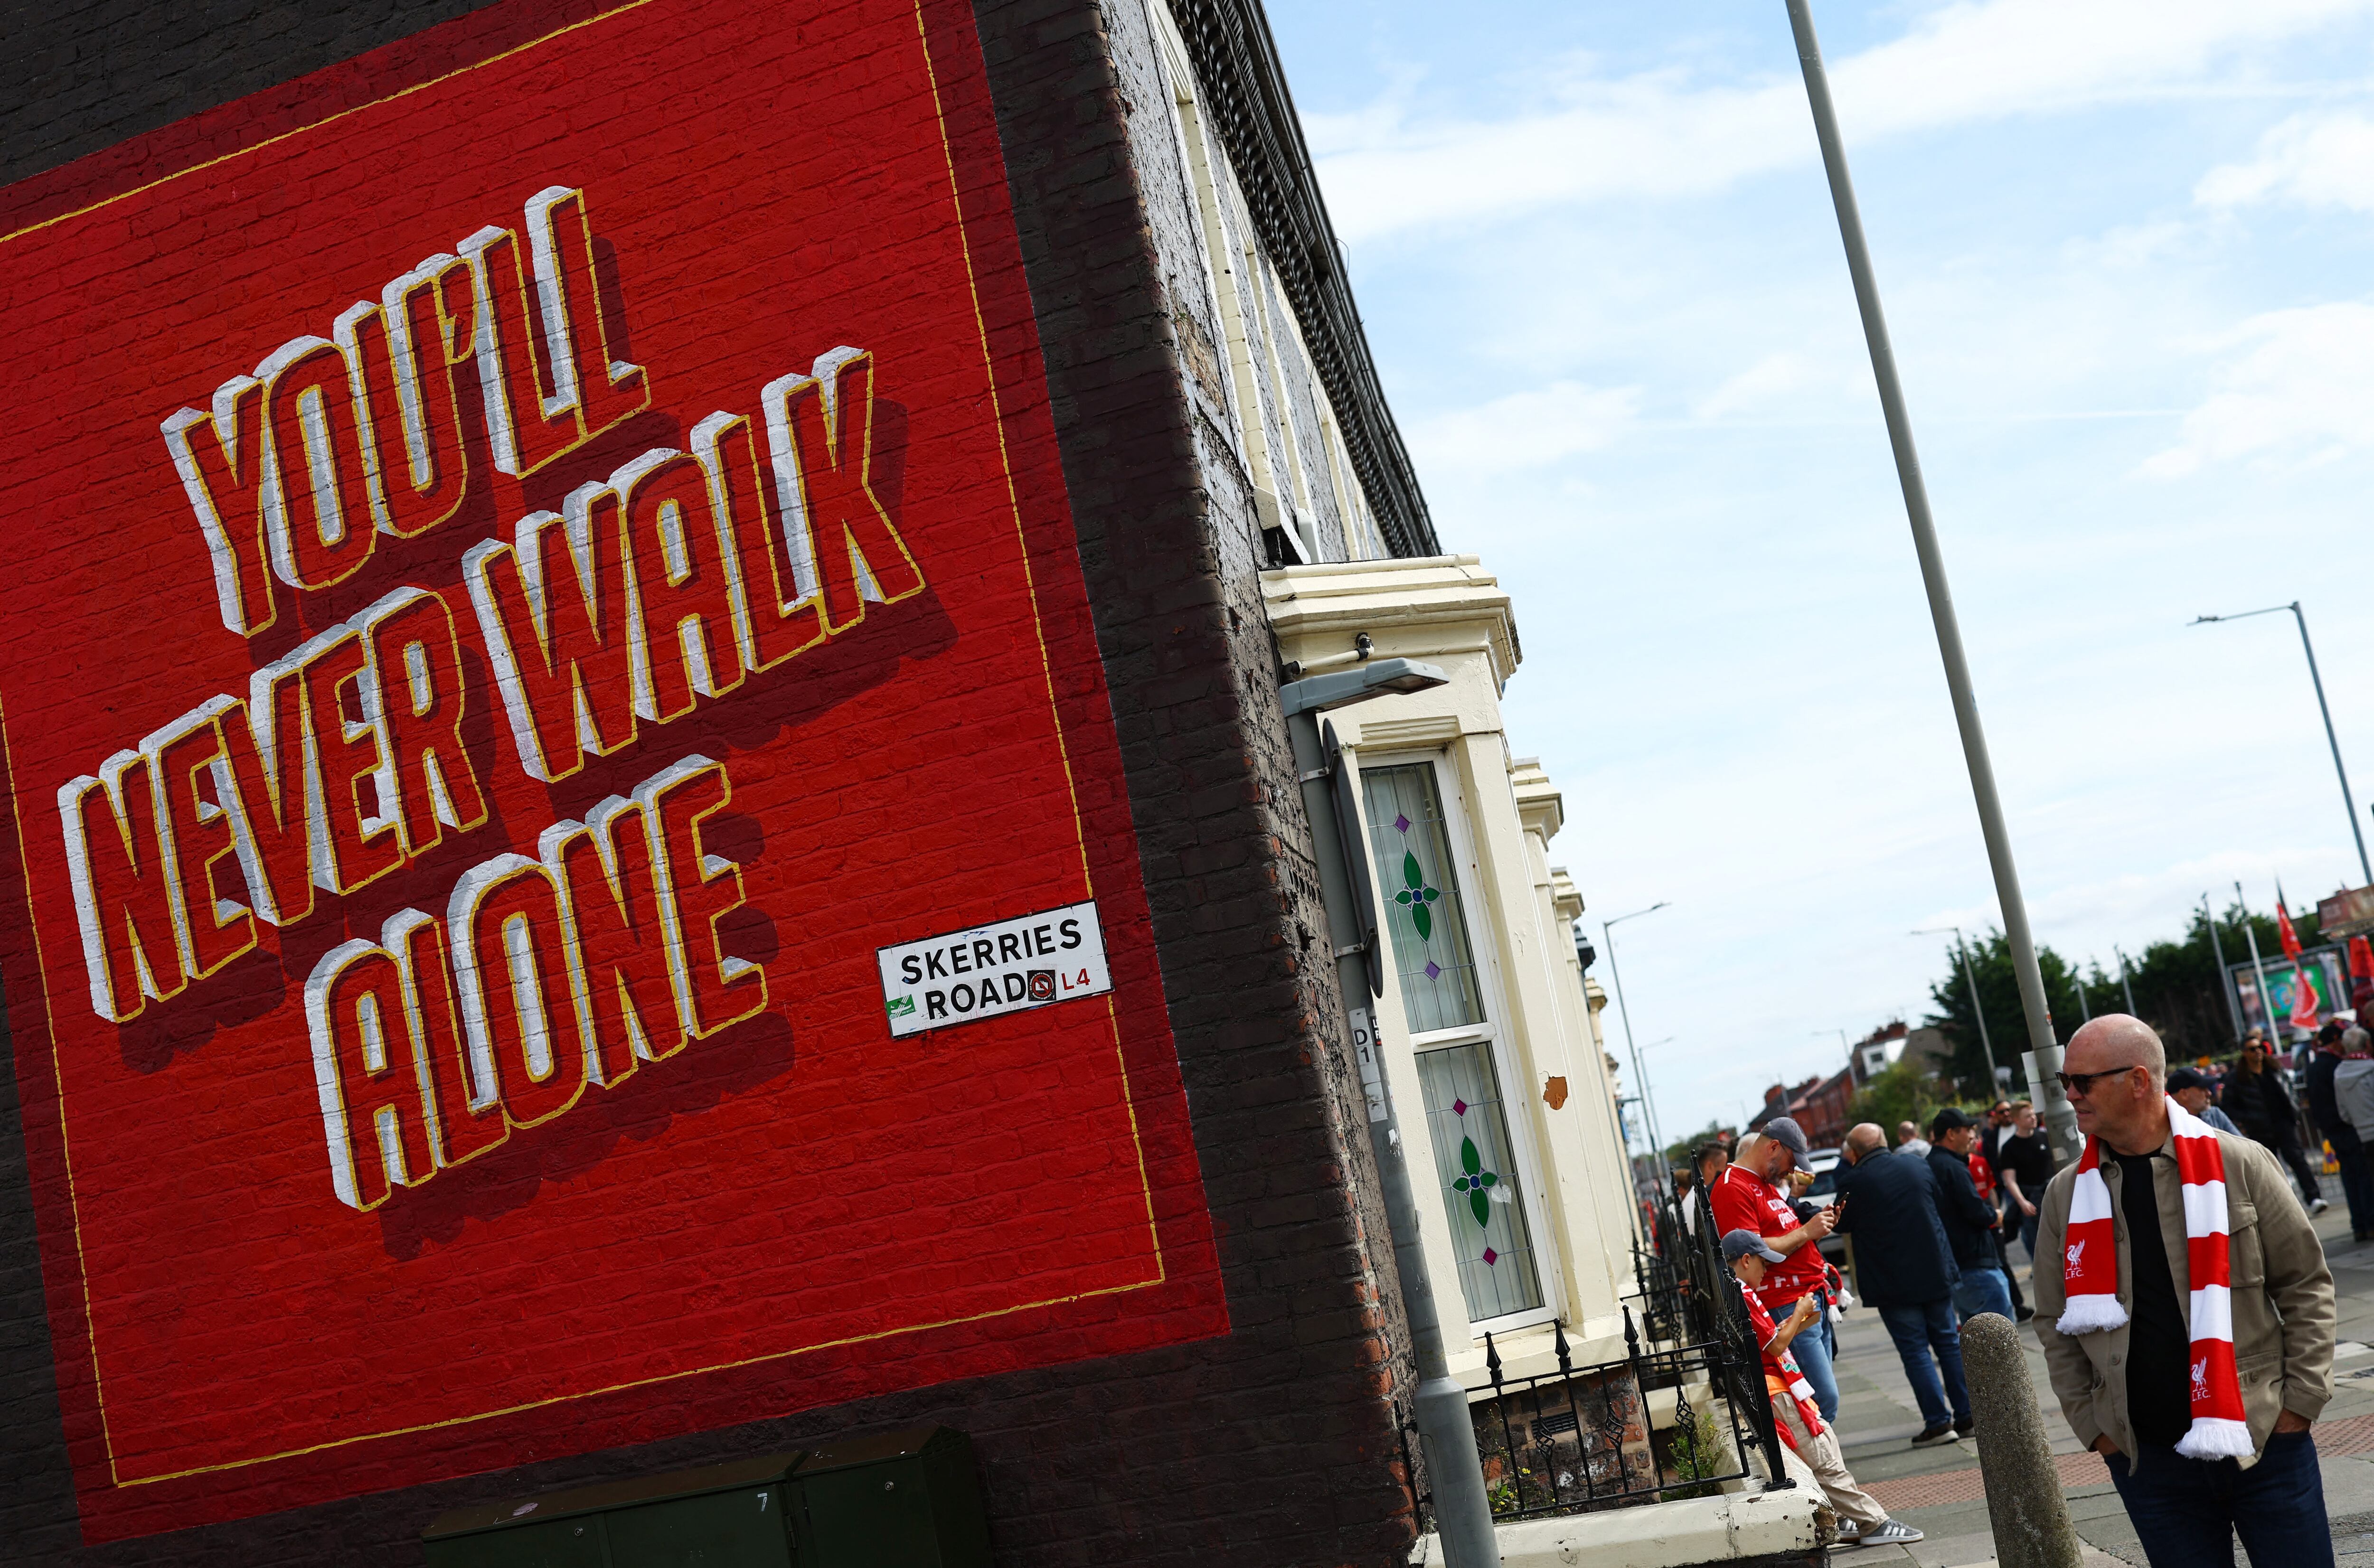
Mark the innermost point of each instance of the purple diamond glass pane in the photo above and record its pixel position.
(1433, 970)
(1457, 1108)
(1400, 824)
(1490, 1257)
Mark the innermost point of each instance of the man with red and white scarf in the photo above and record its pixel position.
(2187, 1315)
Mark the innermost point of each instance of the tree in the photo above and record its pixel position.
(1678, 1154)
(1901, 1091)
(1967, 1065)
(2177, 991)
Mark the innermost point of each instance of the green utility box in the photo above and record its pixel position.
(907, 1498)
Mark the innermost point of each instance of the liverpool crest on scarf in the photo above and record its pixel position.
(2091, 1272)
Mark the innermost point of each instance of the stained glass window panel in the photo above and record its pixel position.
(1490, 1240)
(1418, 892)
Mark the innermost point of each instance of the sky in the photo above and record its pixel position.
(2127, 256)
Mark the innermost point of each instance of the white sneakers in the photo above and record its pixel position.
(2318, 1207)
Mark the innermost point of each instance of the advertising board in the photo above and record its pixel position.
(2326, 975)
(535, 555)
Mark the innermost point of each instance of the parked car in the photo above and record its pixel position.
(1824, 1164)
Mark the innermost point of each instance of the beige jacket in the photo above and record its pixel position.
(2284, 1314)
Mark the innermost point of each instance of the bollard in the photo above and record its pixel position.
(2024, 1502)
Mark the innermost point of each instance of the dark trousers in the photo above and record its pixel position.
(2286, 1144)
(2357, 1177)
(1920, 1333)
(2003, 1255)
(2187, 1512)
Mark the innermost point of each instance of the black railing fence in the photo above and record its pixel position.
(1585, 1437)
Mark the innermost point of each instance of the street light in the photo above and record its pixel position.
(1463, 1509)
(2225, 980)
(2044, 1055)
(2347, 803)
(1648, 1101)
(1962, 949)
(2259, 970)
(1607, 934)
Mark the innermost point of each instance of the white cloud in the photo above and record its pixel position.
(1767, 380)
(2313, 160)
(2298, 394)
(1655, 133)
(1526, 429)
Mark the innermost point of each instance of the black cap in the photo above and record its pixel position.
(1785, 1132)
(2186, 1078)
(1737, 1244)
(1948, 1120)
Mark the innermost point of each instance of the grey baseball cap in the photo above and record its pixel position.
(1737, 1244)
(1785, 1132)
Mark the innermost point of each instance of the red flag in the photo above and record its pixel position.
(2361, 959)
(2284, 931)
(2305, 1009)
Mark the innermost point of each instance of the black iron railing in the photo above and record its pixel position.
(1581, 1438)
(1585, 1437)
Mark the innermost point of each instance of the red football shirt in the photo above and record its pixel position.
(1781, 1368)
(1745, 1202)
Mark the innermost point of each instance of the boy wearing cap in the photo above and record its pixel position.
(1862, 1521)
(1752, 1196)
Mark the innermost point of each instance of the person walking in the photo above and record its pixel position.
(2189, 1327)
(1982, 1177)
(1906, 1274)
(2262, 1106)
(1751, 1194)
(1970, 1223)
(2325, 1117)
(1993, 1131)
(2024, 1164)
(1862, 1520)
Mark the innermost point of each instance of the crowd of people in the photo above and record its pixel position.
(2203, 1420)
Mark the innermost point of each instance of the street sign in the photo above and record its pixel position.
(987, 971)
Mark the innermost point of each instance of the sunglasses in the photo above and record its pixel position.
(2083, 1083)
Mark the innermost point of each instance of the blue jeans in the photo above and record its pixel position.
(2186, 1512)
(1928, 1342)
(2026, 1224)
(1982, 1290)
(1812, 1351)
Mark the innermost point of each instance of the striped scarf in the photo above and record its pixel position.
(2091, 1275)
(1783, 1379)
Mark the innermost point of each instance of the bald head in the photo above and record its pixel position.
(1865, 1139)
(2116, 1040)
(2117, 1071)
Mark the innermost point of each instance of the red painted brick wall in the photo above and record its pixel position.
(792, 1223)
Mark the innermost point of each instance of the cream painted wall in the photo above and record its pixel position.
(1449, 611)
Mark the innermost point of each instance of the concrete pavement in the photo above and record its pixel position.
(1939, 1490)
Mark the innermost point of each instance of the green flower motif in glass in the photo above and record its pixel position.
(1477, 1183)
(1417, 896)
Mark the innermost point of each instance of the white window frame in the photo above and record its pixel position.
(1484, 946)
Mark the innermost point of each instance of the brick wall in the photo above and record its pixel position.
(1273, 1443)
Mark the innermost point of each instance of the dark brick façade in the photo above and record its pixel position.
(1274, 1445)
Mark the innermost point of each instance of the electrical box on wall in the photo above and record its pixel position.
(905, 1499)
